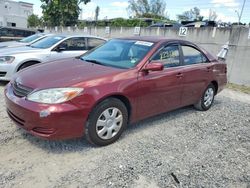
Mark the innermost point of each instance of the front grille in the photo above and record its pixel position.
(2, 74)
(16, 119)
(20, 90)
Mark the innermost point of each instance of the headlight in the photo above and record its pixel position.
(6, 59)
(54, 95)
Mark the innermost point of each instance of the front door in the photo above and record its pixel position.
(160, 91)
(71, 47)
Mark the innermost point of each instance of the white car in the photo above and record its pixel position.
(48, 49)
(23, 42)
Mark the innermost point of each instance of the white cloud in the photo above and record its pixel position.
(205, 13)
(88, 11)
(113, 13)
(37, 11)
(225, 3)
(224, 18)
(220, 16)
(119, 4)
(116, 9)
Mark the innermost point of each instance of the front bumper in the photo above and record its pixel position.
(59, 121)
(7, 71)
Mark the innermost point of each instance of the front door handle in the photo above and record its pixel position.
(179, 75)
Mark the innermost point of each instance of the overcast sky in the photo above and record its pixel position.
(118, 8)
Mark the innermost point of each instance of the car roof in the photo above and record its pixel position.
(77, 35)
(154, 39)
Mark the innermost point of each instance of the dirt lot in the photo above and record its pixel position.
(184, 148)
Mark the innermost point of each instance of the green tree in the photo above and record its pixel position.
(61, 12)
(191, 15)
(185, 16)
(212, 15)
(34, 21)
(142, 8)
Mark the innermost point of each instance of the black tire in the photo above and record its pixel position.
(91, 125)
(201, 105)
(25, 65)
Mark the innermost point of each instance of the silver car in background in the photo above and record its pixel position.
(23, 42)
(48, 49)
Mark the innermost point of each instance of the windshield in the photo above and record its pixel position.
(30, 38)
(47, 42)
(119, 53)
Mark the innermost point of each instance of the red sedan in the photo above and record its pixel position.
(120, 82)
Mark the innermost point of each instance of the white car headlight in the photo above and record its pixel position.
(6, 59)
(54, 95)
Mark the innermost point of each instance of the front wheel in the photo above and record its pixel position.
(106, 122)
(25, 65)
(207, 99)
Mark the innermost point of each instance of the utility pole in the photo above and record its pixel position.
(241, 12)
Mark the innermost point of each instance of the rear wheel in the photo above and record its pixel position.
(106, 122)
(207, 98)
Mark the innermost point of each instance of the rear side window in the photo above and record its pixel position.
(192, 56)
(169, 56)
(94, 42)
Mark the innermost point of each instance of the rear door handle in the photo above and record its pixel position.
(208, 69)
(179, 75)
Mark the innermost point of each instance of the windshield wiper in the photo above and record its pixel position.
(92, 61)
(100, 63)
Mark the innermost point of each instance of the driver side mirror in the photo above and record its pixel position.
(60, 48)
(153, 66)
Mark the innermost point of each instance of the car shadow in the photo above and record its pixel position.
(81, 144)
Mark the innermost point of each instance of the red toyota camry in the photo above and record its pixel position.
(120, 82)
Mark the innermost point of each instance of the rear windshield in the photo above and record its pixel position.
(30, 38)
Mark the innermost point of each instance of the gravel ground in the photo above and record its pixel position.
(183, 148)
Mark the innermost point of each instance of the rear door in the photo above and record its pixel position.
(197, 74)
(94, 42)
(160, 91)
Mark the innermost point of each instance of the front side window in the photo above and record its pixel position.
(169, 56)
(74, 44)
(192, 56)
(119, 53)
(47, 42)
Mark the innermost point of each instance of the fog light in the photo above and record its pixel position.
(43, 130)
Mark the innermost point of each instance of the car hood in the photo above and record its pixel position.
(12, 44)
(18, 50)
(65, 73)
